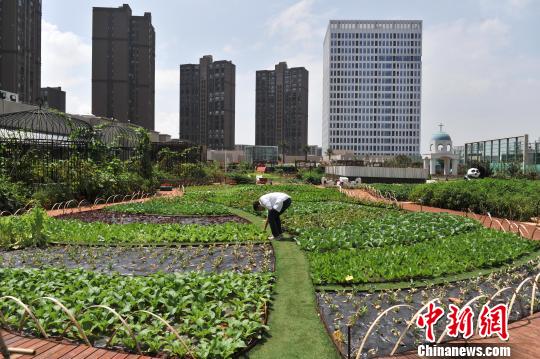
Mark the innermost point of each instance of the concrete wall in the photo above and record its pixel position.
(291, 159)
(10, 107)
(379, 173)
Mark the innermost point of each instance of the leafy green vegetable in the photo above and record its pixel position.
(305, 215)
(401, 191)
(23, 231)
(242, 196)
(217, 315)
(36, 229)
(429, 259)
(73, 231)
(390, 229)
(185, 205)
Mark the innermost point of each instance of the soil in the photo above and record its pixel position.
(145, 260)
(126, 218)
(360, 309)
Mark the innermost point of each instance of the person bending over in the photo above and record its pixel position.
(276, 203)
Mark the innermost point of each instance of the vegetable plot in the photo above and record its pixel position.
(357, 310)
(215, 315)
(185, 205)
(428, 259)
(72, 231)
(305, 215)
(145, 260)
(35, 228)
(385, 229)
(242, 197)
(126, 218)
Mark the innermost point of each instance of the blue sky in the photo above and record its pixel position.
(481, 58)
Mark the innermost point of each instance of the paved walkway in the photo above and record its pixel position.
(526, 229)
(49, 349)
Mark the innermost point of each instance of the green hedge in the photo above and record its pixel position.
(12, 195)
(400, 191)
(512, 199)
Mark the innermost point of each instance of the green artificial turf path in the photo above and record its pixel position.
(295, 328)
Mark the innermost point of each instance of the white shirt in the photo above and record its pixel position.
(274, 200)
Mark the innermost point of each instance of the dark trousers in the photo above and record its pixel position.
(273, 218)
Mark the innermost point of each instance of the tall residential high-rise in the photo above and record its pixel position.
(54, 97)
(123, 65)
(372, 87)
(281, 108)
(20, 48)
(207, 103)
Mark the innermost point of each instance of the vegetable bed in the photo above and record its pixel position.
(359, 309)
(329, 214)
(423, 260)
(126, 218)
(72, 231)
(35, 228)
(385, 229)
(145, 260)
(216, 315)
(184, 205)
(242, 196)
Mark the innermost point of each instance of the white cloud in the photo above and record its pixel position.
(67, 62)
(298, 32)
(512, 8)
(228, 49)
(298, 24)
(519, 4)
(295, 22)
(167, 122)
(474, 84)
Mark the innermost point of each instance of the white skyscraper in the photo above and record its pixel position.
(372, 87)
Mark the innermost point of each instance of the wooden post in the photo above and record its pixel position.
(348, 342)
(3, 349)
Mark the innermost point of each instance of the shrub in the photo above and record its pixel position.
(23, 231)
(240, 178)
(400, 191)
(512, 199)
(12, 195)
(313, 176)
(49, 194)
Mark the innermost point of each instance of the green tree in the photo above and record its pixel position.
(283, 145)
(305, 149)
(329, 153)
(143, 151)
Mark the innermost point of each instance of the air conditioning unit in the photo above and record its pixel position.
(9, 96)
